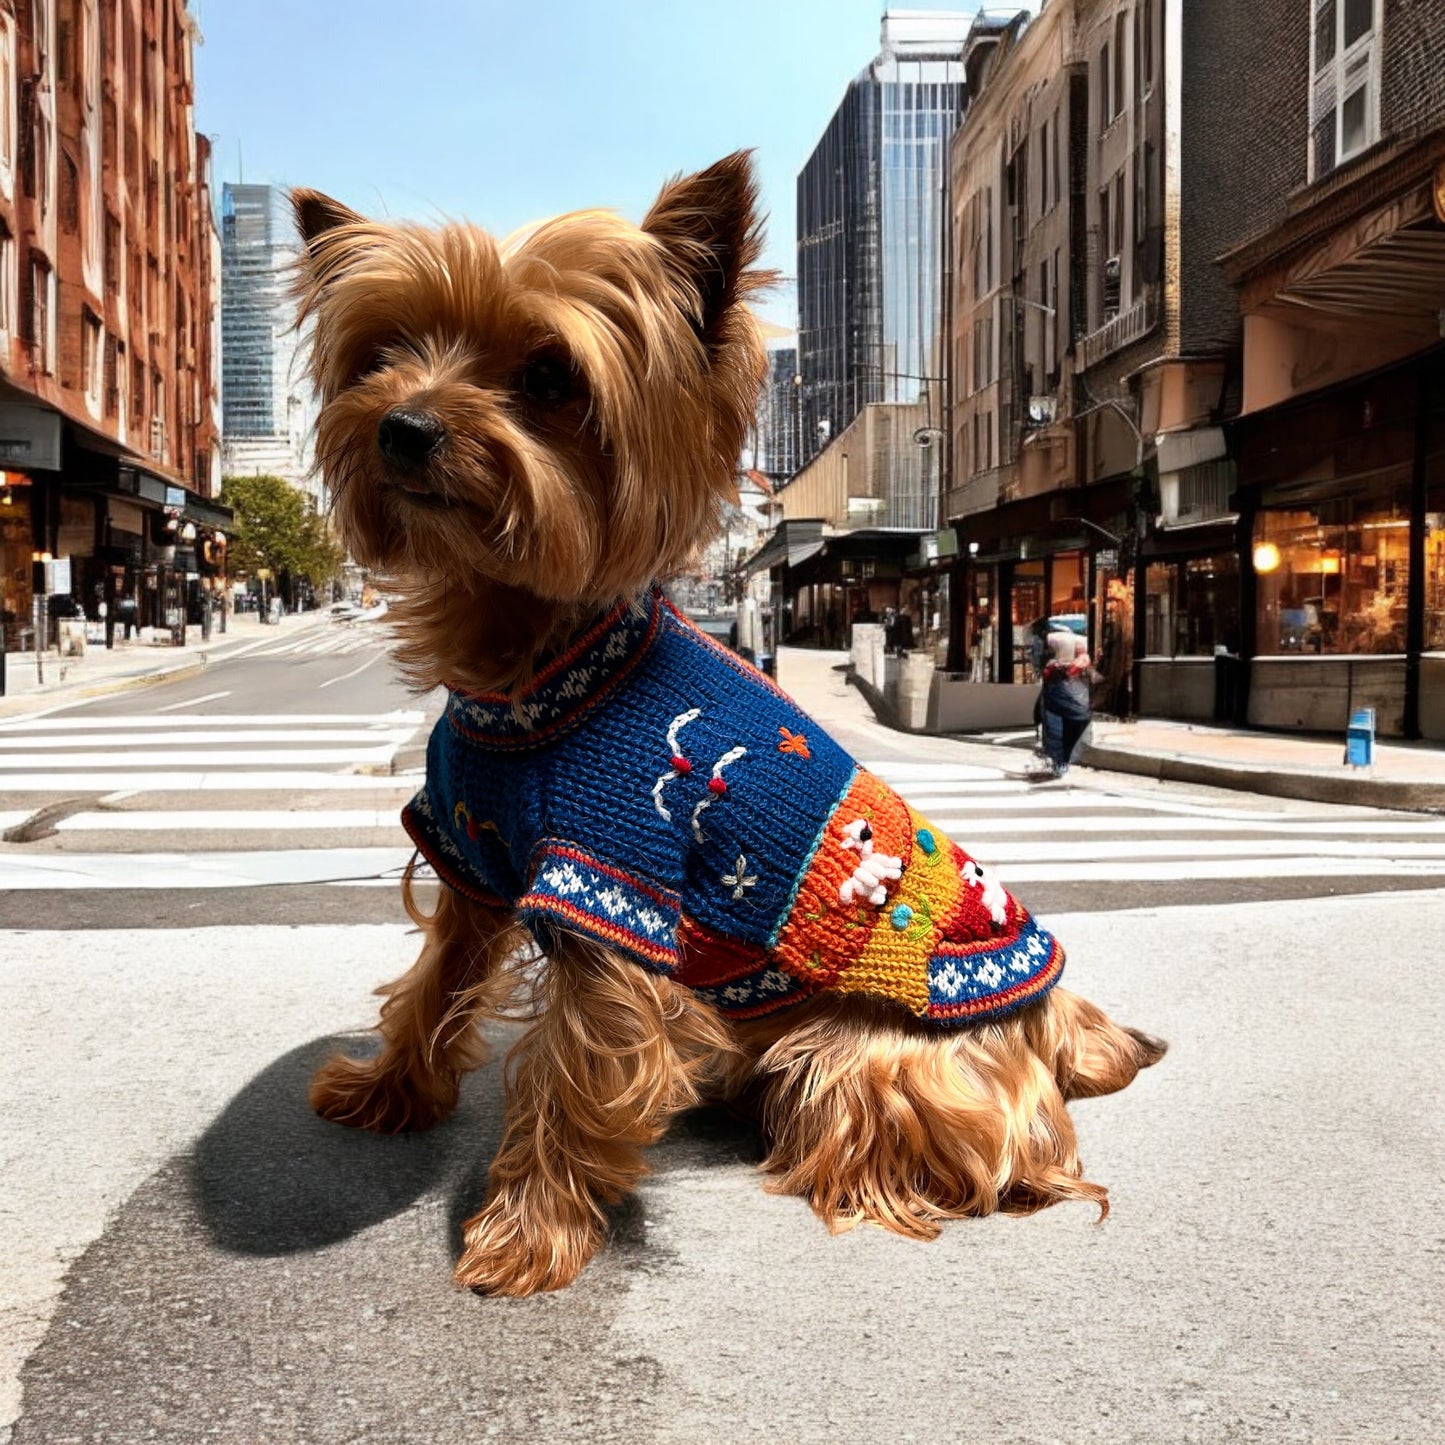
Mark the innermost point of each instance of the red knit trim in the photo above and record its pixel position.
(562, 848)
(567, 720)
(444, 871)
(707, 959)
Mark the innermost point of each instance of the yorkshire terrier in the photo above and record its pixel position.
(525, 436)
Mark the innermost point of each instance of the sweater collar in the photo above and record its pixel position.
(567, 687)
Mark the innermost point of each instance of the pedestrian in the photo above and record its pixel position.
(1066, 699)
(126, 608)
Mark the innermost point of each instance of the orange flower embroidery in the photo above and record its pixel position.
(794, 743)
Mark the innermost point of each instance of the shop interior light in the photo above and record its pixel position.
(1330, 563)
(1266, 557)
(7, 497)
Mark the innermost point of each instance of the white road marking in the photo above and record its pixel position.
(151, 739)
(219, 720)
(197, 870)
(898, 773)
(1219, 868)
(1212, 848)
(231, 820)
(346, 676)
(194, 701)
(231, 758)
(984, 826)
(216, 782)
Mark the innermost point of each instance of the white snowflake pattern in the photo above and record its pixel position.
(948, 980)
(773, 982)
(734, 993)
(614, 900)
(989, 973)
(565, 879)
(651, 920)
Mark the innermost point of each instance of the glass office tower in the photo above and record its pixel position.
(871, 213)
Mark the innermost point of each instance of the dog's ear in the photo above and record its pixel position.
(709, 225)
(317, 214)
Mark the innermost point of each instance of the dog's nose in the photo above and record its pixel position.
(408, 438)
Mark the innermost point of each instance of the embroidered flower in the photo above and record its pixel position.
(901, 917)
(739, 879)
(794, 743)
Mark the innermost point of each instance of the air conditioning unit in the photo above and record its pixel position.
(1113, 275)
(1042, 410)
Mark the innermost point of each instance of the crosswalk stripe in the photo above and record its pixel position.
(295, 780)
(230, 757)
(230, 820)
(210, 738)
(1320, 848)
(1046, 824)
(217, 720)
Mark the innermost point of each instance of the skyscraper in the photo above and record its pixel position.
(267, 403)
(871, 216)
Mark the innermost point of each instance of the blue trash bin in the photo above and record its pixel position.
(1360, 738)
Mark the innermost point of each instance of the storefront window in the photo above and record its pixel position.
(1068, 585)
(1028, 605)
(16, 553)
(1192, 607)
(1334, 578)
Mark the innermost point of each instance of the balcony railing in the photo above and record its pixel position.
(1124, 330)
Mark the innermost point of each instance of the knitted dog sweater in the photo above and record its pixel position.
(654, 792)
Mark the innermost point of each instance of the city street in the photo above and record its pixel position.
(200, 897)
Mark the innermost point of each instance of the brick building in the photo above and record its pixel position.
(1112, 151)
(1340, 445)
(109, 267)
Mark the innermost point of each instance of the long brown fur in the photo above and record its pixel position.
(530, 518)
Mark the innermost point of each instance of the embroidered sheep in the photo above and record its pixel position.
(994, 897)
(873, 870)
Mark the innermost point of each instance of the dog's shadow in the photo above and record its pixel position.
(271, 1178)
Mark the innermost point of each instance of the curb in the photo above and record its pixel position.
(63, 692)
(1271, 782)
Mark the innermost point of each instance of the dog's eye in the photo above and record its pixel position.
(547, 381)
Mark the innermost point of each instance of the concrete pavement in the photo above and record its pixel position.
(1407, 776)
(136, 664)
(204, 1259)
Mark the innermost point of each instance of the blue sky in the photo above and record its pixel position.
(504, 113)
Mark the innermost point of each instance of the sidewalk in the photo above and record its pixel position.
(1403, 775)
(136, 664)
(1407, 776)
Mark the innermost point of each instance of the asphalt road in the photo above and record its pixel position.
(192, 1255)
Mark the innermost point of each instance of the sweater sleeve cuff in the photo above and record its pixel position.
(575, 892)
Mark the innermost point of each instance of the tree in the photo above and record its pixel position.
(276, 527)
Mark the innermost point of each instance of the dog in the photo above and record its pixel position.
(695, 893)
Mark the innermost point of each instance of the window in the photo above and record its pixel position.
(1344, 81)
(112, 254)
(1192, 607)
(114, 360)
(137, 393)
(90, 354)
(1337, 576)
(7, 280)
(7, 100)
(1044, 202)
(1120, 25)
(1106, 102)
(1058, 192)
(38, 313)
(69, 194)
(1146, 44)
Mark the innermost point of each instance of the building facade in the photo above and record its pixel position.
(109, 385)
(779, 427)
(871, 232)
(1097, 342)
(269, 406)
(1340, 442)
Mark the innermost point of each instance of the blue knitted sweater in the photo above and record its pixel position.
(654, 792)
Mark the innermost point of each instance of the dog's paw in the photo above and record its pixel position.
(381, 1095)
(509, 1249)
